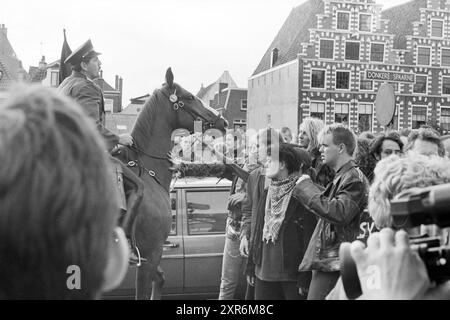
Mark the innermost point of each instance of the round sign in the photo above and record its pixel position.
(385, 104)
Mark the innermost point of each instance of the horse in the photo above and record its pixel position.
(168, 108)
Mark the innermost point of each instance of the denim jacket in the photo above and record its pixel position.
(339, 208)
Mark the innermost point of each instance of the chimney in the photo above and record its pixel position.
(42, 63)
(4, 30)
(120, 96)
(116, 83)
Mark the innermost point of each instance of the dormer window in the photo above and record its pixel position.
(273, 57)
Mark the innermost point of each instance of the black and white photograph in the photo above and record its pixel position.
(241, 151)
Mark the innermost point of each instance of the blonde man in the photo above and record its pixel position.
(308, 138)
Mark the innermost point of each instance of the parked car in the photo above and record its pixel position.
(192, 257)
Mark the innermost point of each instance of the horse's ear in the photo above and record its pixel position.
(169, 77)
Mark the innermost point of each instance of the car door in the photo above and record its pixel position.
(204, 240)
(172, 259)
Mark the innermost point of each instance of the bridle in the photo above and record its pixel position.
(178, 104)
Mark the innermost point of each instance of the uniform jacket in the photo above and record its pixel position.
(339, 208)
(90, 97)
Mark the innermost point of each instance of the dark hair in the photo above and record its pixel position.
(289, 156)
(341, 134)
(405, 132)
(364, 158)
(375, 147)
(367, 135)
(426, 134)
(57, 199)
(77, 66)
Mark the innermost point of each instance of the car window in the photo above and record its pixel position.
(207, 211)
(173, 204)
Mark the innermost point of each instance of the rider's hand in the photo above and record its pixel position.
(243, 247)
(126, 139)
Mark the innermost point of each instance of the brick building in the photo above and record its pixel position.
(232, 105)
(330, 58)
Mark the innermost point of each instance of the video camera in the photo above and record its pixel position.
(412, 208)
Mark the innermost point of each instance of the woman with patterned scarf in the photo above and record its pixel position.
(284, 228)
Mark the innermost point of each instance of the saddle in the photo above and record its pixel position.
(130, 193)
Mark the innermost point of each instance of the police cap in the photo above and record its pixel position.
(84, 52)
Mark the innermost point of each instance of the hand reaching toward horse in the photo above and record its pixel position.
(126, 139)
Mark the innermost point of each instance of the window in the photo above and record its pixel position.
(342, 79)
(317, 110)
(421, 84)
(365, 85)
(54, 78)
(318, 79)
(445, 119)
(351, 50)
(394, 85)
(436, 28)
(173, 204)
(365, 117)
(445, 59)
(423, 56)
(419, 117)
(244, 104)
(364, 22)
(326, 49)
(343, 19)
(445, 85)
(207, 211)
(341, 113)
(377, 52)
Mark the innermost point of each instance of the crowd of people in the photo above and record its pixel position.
(302, 197)
(299, 205)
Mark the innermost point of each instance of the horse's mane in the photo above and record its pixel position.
(144, 122)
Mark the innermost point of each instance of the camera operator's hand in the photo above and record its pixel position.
(388, 268)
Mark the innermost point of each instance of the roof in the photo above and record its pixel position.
(292, 34)
(5, 46)
(104, 85)
(140, 100)
(37, 75)
(207, 94)
(203, 90)
(120, 123)
(133, 108)
(401, 20)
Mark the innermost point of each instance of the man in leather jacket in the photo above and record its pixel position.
(338, 208)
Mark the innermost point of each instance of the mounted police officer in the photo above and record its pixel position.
(80, 86)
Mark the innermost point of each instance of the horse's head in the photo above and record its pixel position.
(189, 108)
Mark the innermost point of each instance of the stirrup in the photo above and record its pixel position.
(138, 260)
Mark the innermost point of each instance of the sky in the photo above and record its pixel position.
(140, 39)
